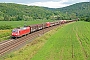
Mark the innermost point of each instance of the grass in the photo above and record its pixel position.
(70, 42)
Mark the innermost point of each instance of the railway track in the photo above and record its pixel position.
(11, 44)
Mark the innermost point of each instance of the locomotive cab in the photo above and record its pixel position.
(15, 33)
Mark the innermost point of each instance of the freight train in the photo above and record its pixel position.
(19, 32)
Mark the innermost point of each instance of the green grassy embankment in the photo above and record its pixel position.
(71, 42)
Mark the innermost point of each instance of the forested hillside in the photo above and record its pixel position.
(18, 12)
(11, 11)
(80, 10)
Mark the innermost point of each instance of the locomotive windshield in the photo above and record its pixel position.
(15, 31)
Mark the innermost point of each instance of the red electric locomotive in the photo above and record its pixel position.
(18, 32)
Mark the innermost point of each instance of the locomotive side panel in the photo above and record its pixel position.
(24, 31)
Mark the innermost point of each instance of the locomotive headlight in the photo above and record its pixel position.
(16, 34)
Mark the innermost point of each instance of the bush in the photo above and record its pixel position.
(88, 19)
(4, 27)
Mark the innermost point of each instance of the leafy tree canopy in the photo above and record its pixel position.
(18, 12)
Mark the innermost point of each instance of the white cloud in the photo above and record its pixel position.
(51, 4)
(57, 4)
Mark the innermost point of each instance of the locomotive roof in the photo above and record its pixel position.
(20, 28)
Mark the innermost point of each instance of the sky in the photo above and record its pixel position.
(45, 3)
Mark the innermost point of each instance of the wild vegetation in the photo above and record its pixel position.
(70, 42)
(18, 12)
(4, 27)
(5, 34)
(79, 10)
